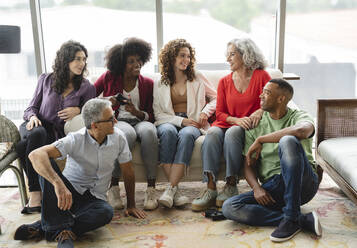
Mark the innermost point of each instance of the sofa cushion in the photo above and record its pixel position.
(194, 172)
(341, 154)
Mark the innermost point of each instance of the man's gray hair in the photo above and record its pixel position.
(92, 110)
(251, 55)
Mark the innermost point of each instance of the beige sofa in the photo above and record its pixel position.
(195, 169)
(336, 142)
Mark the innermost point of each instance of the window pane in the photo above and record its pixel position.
(210, 24)
(320, 46)
(18, 71)
(98, 25)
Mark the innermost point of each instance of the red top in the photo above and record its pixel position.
(111, 85)
(230, 102)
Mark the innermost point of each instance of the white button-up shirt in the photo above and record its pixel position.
(89, 166)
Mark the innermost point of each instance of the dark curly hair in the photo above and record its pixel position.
(61, 73)
(167, 59)
(118, 54)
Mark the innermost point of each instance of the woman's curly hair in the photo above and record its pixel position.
(61, 72)
(118, 54)
(167, 60)
(251, 55)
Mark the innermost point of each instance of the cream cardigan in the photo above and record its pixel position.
(197, 92)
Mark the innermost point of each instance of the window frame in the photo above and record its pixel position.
(40, 50)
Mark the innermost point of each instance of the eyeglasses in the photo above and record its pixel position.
(111, 119)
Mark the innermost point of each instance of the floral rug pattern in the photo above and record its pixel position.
(184, 228)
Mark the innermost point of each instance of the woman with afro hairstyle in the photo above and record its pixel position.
(183, 102)
(59, 96)
(134, 111)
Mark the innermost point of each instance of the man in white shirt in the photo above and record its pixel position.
(74, 202)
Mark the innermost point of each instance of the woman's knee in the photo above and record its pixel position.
(190, 133)
(167, 130)
(38, 134)
(214, 135)
(235, 132)
(147, 131)
(128, 131)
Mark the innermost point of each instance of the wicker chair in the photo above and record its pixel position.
(9, 134)
(336, 118)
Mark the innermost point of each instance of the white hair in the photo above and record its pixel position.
(251, 55)
(92, 110)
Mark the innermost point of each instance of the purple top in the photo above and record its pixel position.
(46, 102)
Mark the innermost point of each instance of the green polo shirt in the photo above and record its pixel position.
(269, 161)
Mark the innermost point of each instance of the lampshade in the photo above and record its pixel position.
(10, 39)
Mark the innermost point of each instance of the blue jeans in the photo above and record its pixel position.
(296, 185)
(146, 132)
(86, 214)
(176, 144)
(231, 141)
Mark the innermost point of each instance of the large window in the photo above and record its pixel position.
(320, 46)
(17, 71)
(17, 74)
(209, 24)
(98, 25)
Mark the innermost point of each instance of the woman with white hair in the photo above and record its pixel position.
(238, 109)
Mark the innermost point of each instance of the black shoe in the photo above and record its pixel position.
(30, 231)
(65, 239)
(214, 214)
(285, 231)
(310, 222)
(31, 210)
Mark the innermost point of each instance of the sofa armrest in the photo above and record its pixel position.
(336, 118)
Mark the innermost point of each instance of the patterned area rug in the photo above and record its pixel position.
(184, 228)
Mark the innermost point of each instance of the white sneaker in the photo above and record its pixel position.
(180, 199)
(167, 198)
(114, 198)
(150, 201)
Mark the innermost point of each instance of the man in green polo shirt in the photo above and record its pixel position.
(279, 154)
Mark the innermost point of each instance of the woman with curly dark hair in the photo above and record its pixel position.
(59, 96)
(183, 102)
(131, 95)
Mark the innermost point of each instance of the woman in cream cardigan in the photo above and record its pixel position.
(181, 111)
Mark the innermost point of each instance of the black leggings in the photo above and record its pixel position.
(31, 140)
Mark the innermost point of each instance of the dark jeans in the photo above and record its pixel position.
(31, 140)
(86, 214)
(296, 185)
